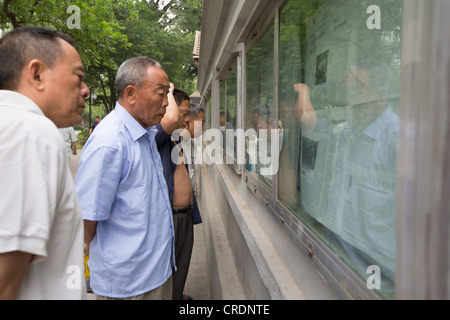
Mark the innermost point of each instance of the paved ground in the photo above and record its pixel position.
(197, 283)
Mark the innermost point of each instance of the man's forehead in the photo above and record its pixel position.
(71, 59)
(69, 52)
(200, 117)
(158, 77)
(184, 106)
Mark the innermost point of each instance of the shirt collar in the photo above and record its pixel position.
(14, 99)
(152, 131)
(134, 128)
(377, 127)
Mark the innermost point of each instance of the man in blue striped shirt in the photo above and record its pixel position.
(123, 194)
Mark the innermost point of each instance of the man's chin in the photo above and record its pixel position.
(75, 120)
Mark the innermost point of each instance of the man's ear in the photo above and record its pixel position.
(130, 94)
(34, 74)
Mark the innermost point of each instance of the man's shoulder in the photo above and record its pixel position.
(162, 138)
(109, 129)
(40, 128)
(25, 119)
(110, 133)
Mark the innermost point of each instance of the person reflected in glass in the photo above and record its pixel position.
(295, 120)
(260, 143)
(362, 197)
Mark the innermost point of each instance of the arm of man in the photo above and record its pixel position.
(170, 120)
(73, 140)
(96, 196)
(74, 148)
(90, 229)
(304, 107)
(13, 266)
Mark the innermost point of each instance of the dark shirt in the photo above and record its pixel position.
(94, 125)
(165, 146)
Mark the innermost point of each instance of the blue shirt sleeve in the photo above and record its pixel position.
(97, 180)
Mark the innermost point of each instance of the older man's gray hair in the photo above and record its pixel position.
(195, 110)
(133, 72)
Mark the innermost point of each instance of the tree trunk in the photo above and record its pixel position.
(10, 15)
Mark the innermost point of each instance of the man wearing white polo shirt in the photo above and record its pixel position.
(41, 230)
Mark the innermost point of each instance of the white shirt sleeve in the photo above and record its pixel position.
(73, 135)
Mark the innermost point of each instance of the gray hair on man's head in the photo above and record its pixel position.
(195, 110)
(133, 72)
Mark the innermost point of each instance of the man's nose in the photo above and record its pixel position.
(84, 92)
(165, 102)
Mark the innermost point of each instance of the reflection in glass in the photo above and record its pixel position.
(208, 114)
(228, 116)
(338, 101)
(260, 118)
(222, 105)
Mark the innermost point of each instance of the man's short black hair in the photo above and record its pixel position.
(23, 44)
(180, 96)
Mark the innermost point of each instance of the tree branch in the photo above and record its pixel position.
(34, 6)
(10, 15)
(105, 101)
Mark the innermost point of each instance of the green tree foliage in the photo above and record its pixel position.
(111, 31)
